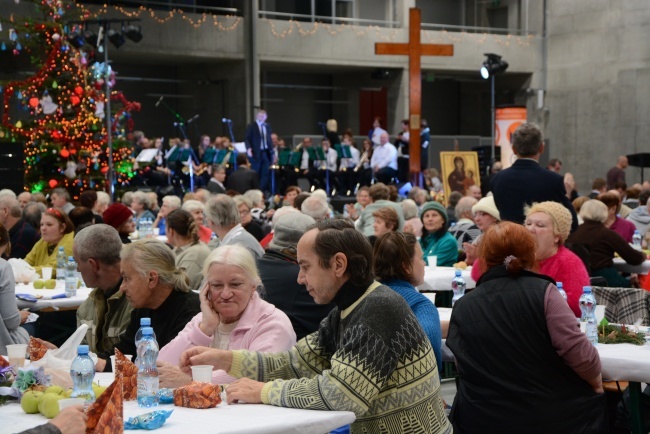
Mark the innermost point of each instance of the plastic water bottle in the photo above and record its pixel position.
(147, 370)
(458, 286)
(82, 372)
(144, 322)
(561, 290)
(71, 277)
(61, 261)
(588, 308)
(636, 240)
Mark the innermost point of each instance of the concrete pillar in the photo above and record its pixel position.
(251, 13)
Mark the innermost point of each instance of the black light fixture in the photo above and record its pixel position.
(116, 38)
(75, 39)
(493, 65)
(91, 38)
(133, 33)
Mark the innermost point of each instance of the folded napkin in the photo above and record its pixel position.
(106, 414)
(126, 370)
(36, 349)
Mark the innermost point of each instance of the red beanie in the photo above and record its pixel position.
(116, 214)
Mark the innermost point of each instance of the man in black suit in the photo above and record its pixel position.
(260, 148)
(243, 179)
(526, 181)
(215, 184)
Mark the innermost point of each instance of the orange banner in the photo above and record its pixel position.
(507, 120)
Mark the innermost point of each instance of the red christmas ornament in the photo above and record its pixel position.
(74, 99)
(104, 170)
(65, 153)
(79, 90)
(56, 135)
(53, 183)
(33, 102)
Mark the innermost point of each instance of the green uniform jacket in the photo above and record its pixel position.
(104, 334)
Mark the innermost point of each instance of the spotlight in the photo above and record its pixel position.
(133, 33)
(75, 39)
(493, 65)
(91, 38)
(116, 38)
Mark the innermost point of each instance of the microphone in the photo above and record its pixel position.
(226, 120)
(159, 101)
(193, 118)
(178, 124)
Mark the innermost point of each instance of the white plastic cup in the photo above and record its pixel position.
(70, 402)
(433, 261)
(202, 373)
(156, 232)
(46, 272)
(600, 313)
(16, 354)
(128, 357)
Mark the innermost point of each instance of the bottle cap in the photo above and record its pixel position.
(71, 258)
(147, 331)
(60, 248)
(559, 285)
(458, 273)
(82, 349)
(586, 289)
(145, 322)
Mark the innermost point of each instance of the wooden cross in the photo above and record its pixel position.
(414, 49)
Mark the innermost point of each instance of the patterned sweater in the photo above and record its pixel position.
(371, 358)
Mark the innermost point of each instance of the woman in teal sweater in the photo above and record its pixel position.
(436, 241)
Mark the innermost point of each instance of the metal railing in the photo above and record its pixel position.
(328, 19)
(475, 29)
(189, 6)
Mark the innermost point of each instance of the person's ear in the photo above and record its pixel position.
(541, 148)
(340, 264)
(94, 265)
(153, 279)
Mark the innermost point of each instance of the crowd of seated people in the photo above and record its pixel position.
(221, 268)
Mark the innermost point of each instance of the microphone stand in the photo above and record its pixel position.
(232, 140)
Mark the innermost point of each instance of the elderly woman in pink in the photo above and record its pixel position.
(233, 316)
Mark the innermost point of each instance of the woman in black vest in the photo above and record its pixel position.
(524, 364)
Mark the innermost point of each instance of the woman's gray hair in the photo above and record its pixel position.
(222, 211)
(237, 255)
(142, 197)
(409, 208)
(154, 255)
(243, 200)
(127, 198)
(593, 210)
(464, 207)
(103, 198)
(192, 205)
(256, 197)
(172, 201)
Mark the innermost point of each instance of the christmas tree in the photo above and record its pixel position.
(59, 111)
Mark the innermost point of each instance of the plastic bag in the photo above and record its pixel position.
(148, 421)
(57, 362)
(23, 272)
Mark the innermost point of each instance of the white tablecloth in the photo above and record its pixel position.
(439, 278)
(625, 362)
(236, 418)
(56, 304)
(621, 265)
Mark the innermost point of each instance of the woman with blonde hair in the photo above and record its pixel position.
(233, 316)
(183, 234)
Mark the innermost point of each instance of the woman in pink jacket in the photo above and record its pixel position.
(233, 317)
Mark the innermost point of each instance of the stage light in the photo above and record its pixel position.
(133, 33)
(91, 38)
(116, 38)
(493, 65)
(75, 39)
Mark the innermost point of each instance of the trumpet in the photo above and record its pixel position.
(363, 159)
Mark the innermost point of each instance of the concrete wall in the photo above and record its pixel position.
(598, 97)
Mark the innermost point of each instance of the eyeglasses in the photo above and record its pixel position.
(244, 211)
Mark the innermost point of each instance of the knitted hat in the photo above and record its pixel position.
(116, 214)
(288, 229)
(561, 217)
(436, 206)
(488, 206)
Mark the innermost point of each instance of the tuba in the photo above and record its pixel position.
(363, 159)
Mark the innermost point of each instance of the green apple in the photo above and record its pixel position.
(98, 390)
(50, 284)
(67, 393)
(54, 389)
(29, 401)
(49, 405)
(39, 284)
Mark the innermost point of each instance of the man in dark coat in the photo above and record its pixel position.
(260, 148)
(243, 179)
(526, 181)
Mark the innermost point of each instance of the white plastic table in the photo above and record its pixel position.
(621, 265)
(439, 278)
(50, 305)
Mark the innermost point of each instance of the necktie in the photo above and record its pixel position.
(263, 135)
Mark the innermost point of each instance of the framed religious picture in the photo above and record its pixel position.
(460, 171)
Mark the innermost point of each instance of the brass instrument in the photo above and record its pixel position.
(297, 169)
(198, 171)
(226, 159)
(363, 159)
